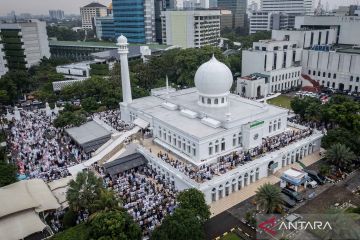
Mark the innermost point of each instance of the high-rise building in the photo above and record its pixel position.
(25, 43)
(104, 27)
(135, 19)
(191, 28)
(279, 14)
(238, 9)
(3, 67)
(56, 14)
(89, 12)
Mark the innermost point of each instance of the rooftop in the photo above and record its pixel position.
(87, 132)
(95, 4)
(110, 45)
(254, 76)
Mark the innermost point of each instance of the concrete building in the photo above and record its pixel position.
(226, 19)
(238, 9)
(25, 43)
(135, 19)
(307, 38)
(105, 28)
(3, 64)
(334, 68)
(348, 26)
(253, 86)
(279, 14)
(204, 125)
(191, 28)
(280, 60)
(89, 12)
(56, 14)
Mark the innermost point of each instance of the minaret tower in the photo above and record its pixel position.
(125, 76)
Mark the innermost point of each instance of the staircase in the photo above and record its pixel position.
(310, 84)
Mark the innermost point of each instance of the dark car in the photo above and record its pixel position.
(287, 201)
(292, 194)
(315, 176)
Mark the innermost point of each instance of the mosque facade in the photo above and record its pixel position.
(207, 123)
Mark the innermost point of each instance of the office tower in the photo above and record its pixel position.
(238, 9)
(89, 12)
(56, 14)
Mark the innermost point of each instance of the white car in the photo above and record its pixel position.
(312, 184)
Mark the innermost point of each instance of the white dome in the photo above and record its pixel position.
(122, 39)
(213, 78)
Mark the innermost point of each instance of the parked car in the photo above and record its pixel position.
(292, 194)
(315, 176)
(287, 201)
(312, 184)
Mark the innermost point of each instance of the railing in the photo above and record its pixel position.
(153, 158)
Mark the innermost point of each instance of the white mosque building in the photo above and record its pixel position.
(206, 124)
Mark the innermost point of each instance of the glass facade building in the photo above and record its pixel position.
(135, 19)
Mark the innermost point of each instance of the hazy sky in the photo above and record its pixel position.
(73, 6)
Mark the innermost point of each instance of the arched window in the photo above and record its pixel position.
(239, 182)
(240, 139)
(223, 144)
(210, 148)
(222, 100)
(270, 127)
(257, 174)
(274, 126)
(234, 140)
(216, 146)
(208, 101)
(216, 101)
(202, 99)
(193, 150)
(179, 142)
(279, 124)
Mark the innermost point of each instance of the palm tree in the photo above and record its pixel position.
(340, 155)
(106, 201)
(268, 197)
(83, 191)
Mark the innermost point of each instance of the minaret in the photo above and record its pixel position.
(125, 76)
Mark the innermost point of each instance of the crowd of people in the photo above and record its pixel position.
(147, 196)
(39, 149)
(224, 164)
(113, 118)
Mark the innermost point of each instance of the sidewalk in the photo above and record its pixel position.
(249, 191)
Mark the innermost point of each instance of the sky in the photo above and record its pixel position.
(73, 6)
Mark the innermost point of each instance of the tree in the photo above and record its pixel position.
(114, 225)
(79, 232)
(340, 156)
(183, 224)
(69, 118)
(268, 197)
(107, 201)
(194, 200)
(84, 191)
(7, 173)
(69, 219)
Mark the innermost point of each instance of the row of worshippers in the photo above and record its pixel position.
(39, 149)
(146, 195)
(224, 164)
(113, 118)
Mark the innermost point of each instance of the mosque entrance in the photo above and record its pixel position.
(258, 92)
(271, 167)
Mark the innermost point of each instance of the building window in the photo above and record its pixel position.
(240, 139)
(234, 140)
(222, 100)
(324, 74)
(223, 144)
(309, 72)
(329, 75)
(216, 101)
(210, 149)
(314, 73)
(357, 79)
(318, 73)
(334, 76)
(279, 124)
(274, 126)
(351, 78)
(202, 99)
(217, 146)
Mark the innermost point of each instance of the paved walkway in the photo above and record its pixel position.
(249, 191)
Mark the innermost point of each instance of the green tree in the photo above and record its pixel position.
(268, 197)
(107, 201)
(183, 224)
(7, 173)
(340, 156)
(84, 191)
(79, 232)
(69, 118)
(194, 200)
(114, 225)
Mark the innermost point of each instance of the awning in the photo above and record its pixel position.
(20, 225)
(141, 123)
(125, 163)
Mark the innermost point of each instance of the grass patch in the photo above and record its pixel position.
(231, 236)
(281, 101)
